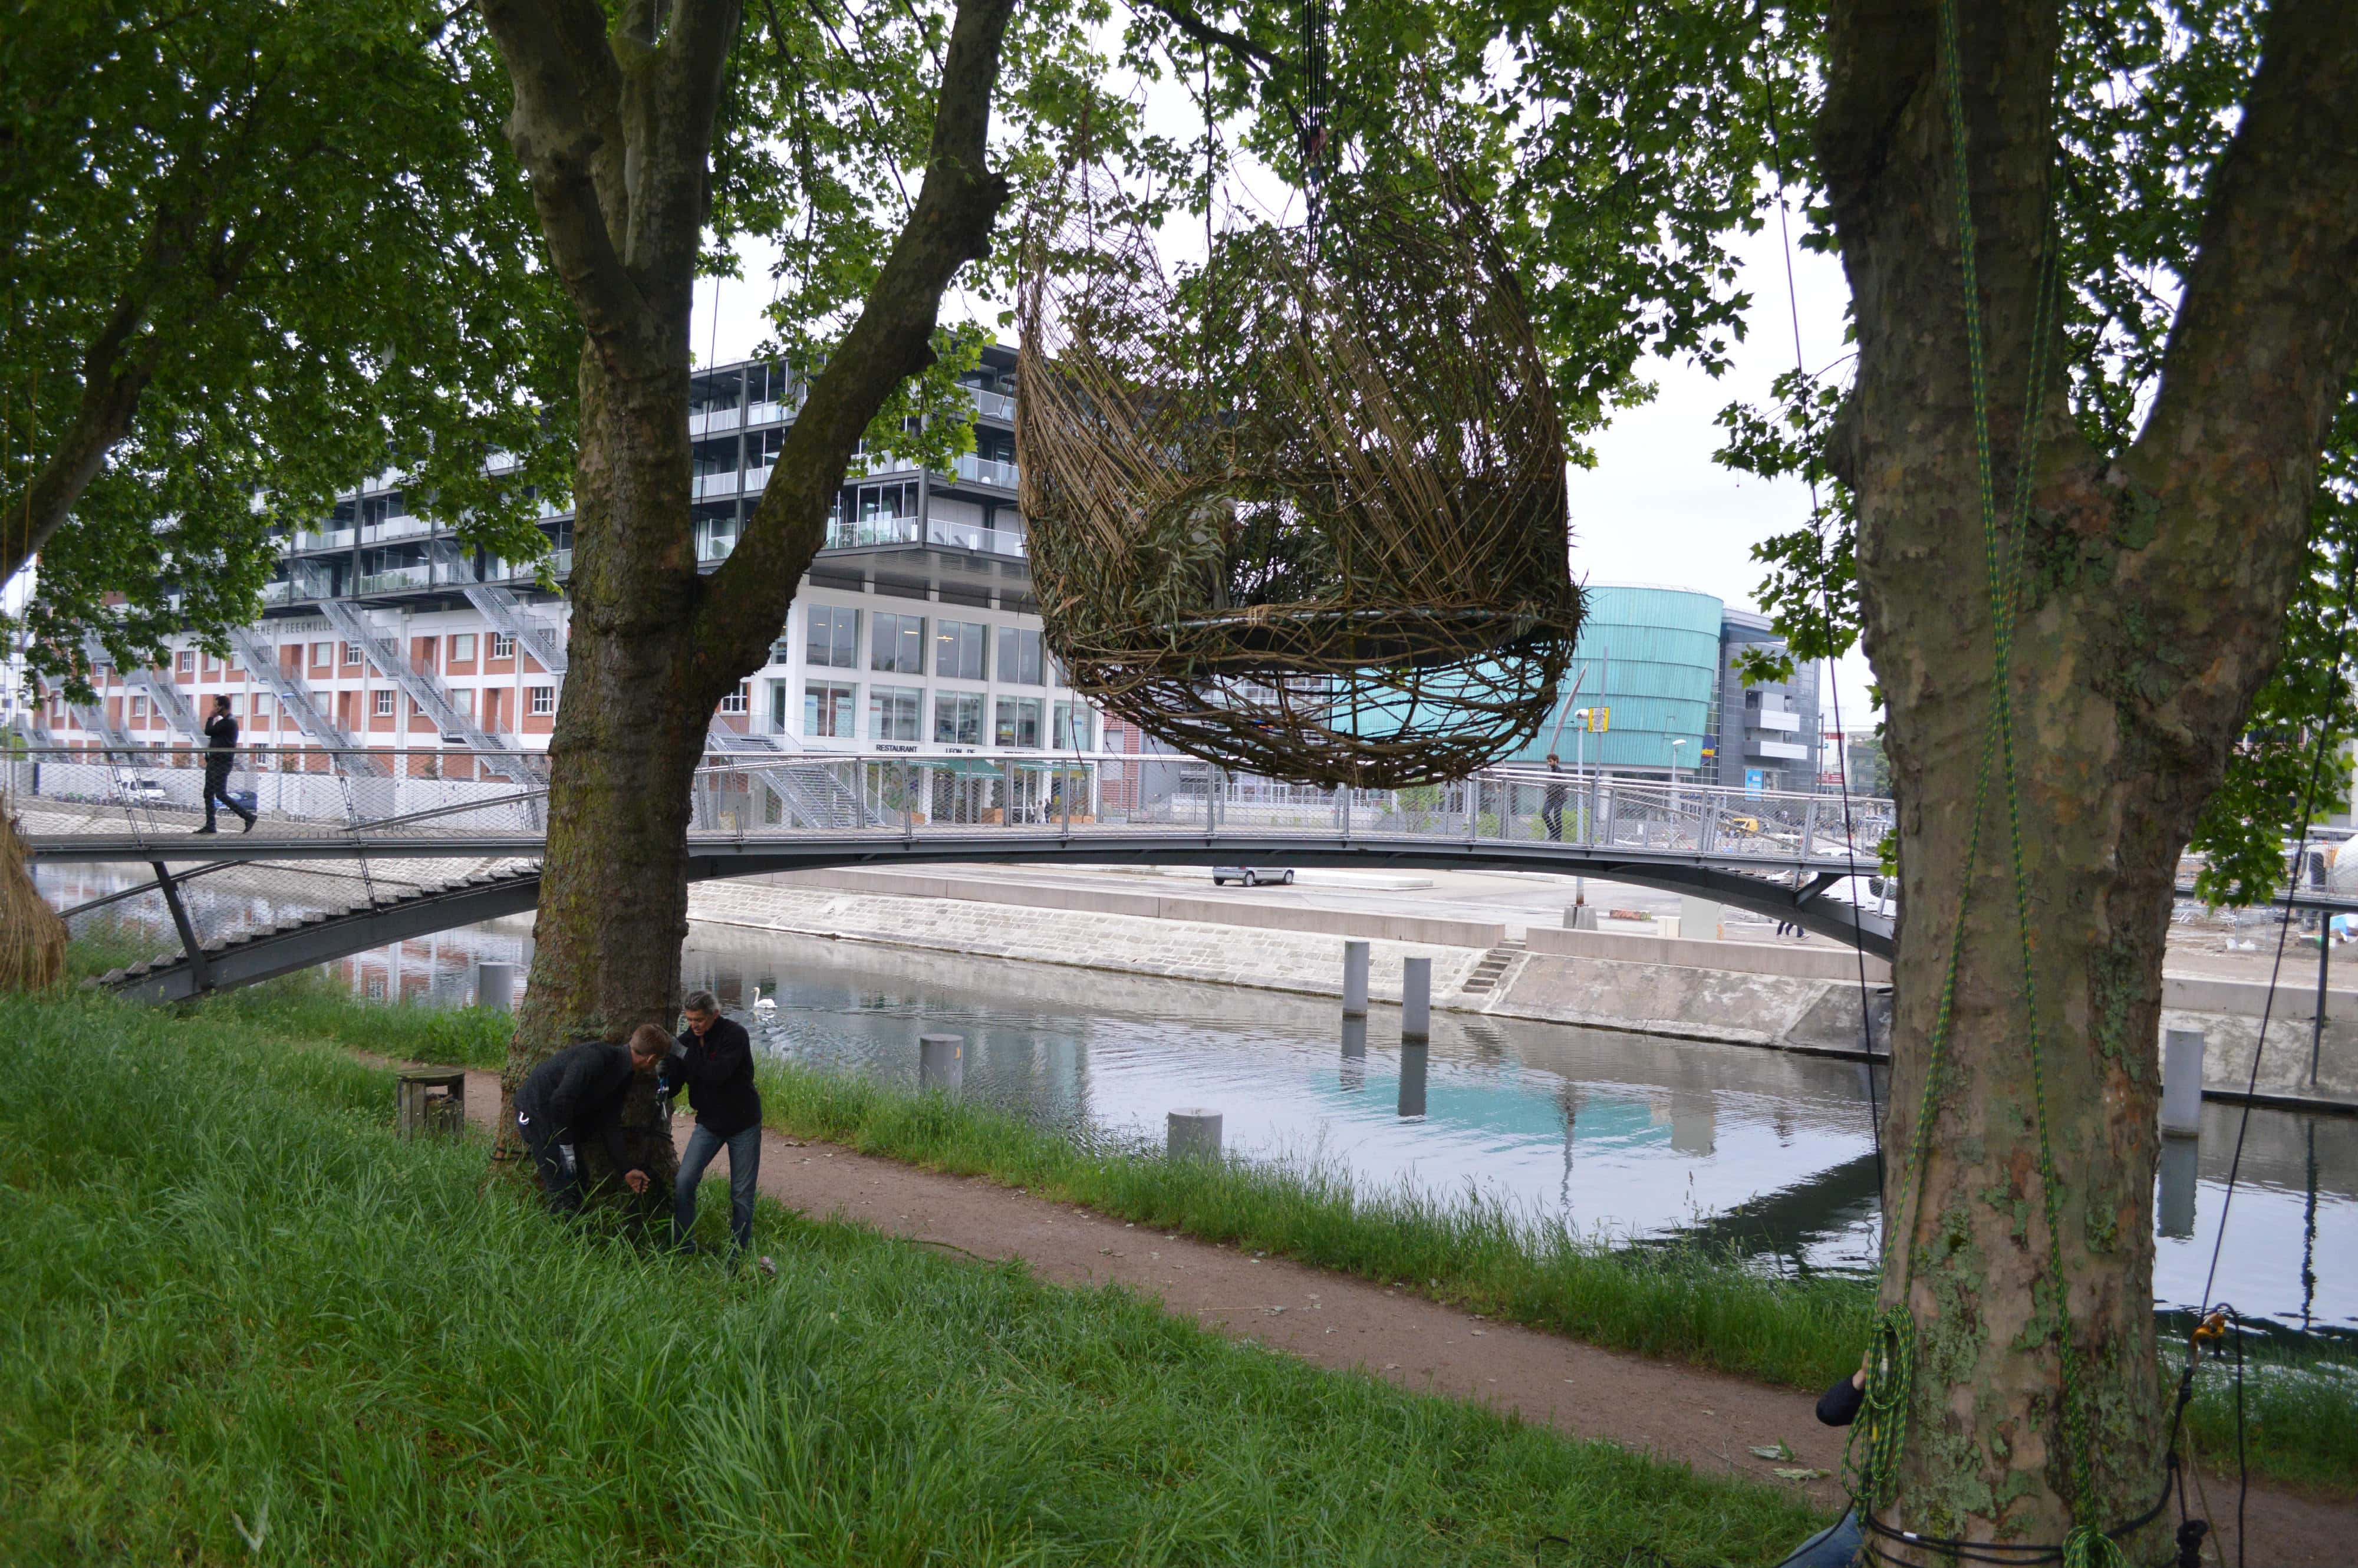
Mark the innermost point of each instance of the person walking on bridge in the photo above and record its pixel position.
(1552, 805)
(713, 1060)
(221, 752)
(579, 1093)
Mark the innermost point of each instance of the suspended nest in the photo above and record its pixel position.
(1299, 515)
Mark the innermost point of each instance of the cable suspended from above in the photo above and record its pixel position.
(1301, 511)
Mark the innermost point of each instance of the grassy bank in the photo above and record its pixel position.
(1683, 1304)
(244, 1324)
(1689, 1304)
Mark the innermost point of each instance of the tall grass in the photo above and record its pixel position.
(243, 1324)
(1684, 1302)
(1690, 1303)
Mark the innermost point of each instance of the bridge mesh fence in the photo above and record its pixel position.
(428, 820)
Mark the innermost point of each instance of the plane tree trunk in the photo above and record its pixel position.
(2154, 589)
(615, 133)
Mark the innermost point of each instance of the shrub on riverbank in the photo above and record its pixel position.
(244, 1323)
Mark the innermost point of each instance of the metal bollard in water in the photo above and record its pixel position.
(1194, 1132)
(941, 1062)
(495, 987)
(1416, 1001)
(2181, 1082)
(1355, 980)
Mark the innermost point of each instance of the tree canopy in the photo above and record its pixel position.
(256, 255)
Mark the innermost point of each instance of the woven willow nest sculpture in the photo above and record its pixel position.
(1303, 518)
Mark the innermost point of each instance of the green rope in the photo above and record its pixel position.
(1879, 1438)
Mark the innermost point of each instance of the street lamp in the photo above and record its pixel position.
(1674, 761)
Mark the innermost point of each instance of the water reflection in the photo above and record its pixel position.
(1637, 1139)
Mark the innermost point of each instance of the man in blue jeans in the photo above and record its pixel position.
(713, 1060)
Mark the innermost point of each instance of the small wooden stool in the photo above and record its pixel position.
(432, 1105)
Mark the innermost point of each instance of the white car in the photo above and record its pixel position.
(1251, 876)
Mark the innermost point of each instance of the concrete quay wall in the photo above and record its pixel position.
(1787, 996)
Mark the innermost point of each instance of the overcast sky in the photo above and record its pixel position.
(1655, 509)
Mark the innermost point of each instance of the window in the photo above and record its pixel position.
(503, 644)
(827, 707)
(321, 655)
(957, 719)
(351, 654)
(377, 988)
(1018, 722)
(900, 644)
(831, 639)
(957, 651)
(892, 712)
(738, 701)
(1019, 656)
(1075, 724)
(186, 661)
(463, 700)
(210, 666)
(463, 647)
(261, 705)
(138, 707)
(384, 702)
(544, 701)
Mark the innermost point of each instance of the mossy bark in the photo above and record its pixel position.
(2156, 581)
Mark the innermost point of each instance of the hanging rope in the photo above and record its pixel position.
(1879, 1441)
(1312, 128)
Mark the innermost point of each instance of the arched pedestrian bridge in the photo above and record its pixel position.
(355, 851)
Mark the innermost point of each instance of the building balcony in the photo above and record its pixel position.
(970, 537)
(278, 593)
(986, 471)
(1770, 718)
(993, 405)
(711, 484)
(397, 578)
(329, 539)
(1774, 750)
(714, 421)
(869, 533)
(397, 528)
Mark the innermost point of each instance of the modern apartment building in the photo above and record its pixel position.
(915, 630)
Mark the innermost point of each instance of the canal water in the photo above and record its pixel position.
(1629, 1138)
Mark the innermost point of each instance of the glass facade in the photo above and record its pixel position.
(832, 638)
(957, 719)
(826, 709)
(900, 644)
(892, 712)
(958, 651)
(1019, 656)
(1018, 722)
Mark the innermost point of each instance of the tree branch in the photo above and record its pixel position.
(567, 130)
(2262, 348)
(746, 599)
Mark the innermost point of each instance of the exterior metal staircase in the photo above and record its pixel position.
(813, 797)
(502, 608)
(92, 716)
(261, 661)
(158, 688)
(420, 687)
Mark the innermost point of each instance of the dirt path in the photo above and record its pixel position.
(1708, 1420)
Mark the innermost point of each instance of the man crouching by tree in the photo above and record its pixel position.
(579, 1093)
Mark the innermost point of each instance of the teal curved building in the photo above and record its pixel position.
(1652, 656)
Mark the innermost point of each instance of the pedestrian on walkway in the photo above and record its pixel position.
(579, 1093)
(221, 752)
(713, 1060)
(1552, 807)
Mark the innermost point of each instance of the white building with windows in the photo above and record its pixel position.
(914, 631)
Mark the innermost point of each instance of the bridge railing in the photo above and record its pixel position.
(420, 816)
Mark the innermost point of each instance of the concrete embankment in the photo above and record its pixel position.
(1749, 993)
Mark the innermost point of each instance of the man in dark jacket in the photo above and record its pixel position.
(1551, 804)
(713, 1060)
(577, 1094)
(221, 753)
